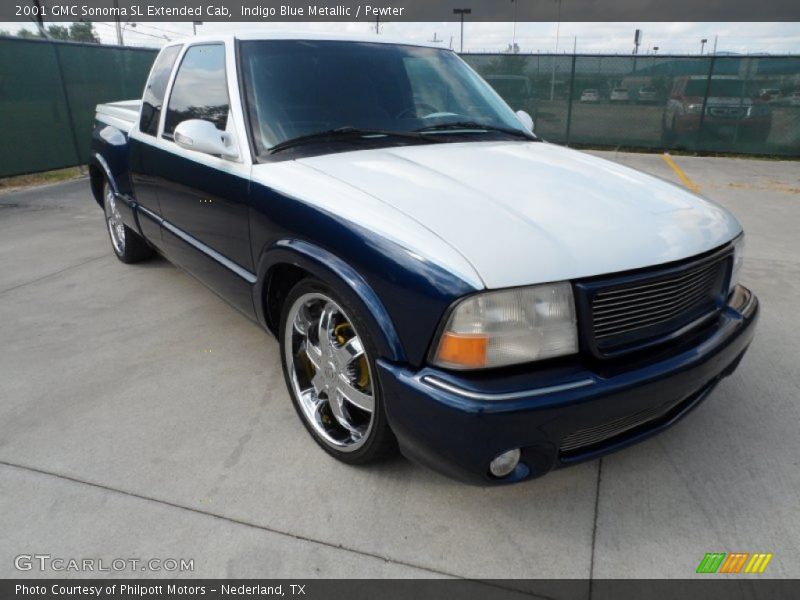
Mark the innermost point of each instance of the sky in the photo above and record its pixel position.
(670, 38)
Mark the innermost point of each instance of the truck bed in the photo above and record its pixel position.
(121, 114)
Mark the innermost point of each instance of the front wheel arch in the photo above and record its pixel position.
(288, 261)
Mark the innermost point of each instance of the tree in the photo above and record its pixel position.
(27, 33)
(58, 32)
(4, 33)
(76, 32)
(83, 32)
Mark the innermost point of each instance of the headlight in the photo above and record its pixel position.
(758, 110)
(508, 327)
(738, 259)
(694, 109)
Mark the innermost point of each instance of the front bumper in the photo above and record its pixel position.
(457, 423)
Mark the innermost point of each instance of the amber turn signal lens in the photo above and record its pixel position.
(463, 350)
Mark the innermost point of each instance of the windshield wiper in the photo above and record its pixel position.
(347, 133)
(474, 125)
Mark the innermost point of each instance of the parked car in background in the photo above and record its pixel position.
(647, 95)
(619, 94)
(793, 98)
(590, 95)
(769, 94)
(731, 109)
(438, 278)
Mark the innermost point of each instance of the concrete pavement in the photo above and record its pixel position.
(141, 416)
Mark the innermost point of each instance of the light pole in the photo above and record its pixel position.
(117, 23)
(514, 31)
(553, 78)
(40, 19)
(194, 26)
(703, 45)
(461, 12)
(122, 31)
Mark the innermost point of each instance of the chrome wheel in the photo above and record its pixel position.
(329, 372)
(114, 220)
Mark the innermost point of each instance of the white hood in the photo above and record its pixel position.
(510, 213)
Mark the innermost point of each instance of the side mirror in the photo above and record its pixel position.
(525, 119)
(203, 136)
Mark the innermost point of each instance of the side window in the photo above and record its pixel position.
(153, 95)
(200, 90)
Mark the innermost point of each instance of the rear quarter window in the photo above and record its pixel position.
(153, 96)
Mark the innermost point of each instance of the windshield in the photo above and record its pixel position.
(297, 87)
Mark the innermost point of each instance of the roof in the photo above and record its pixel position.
(257, 34)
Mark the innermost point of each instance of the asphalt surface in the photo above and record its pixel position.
(143, 417)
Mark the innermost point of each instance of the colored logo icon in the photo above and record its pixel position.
(734, 562)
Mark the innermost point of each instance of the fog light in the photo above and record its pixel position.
(504, 463)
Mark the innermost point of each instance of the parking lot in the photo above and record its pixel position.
(143, 417)
(635, 124)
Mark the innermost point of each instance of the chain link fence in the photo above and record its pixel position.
(732, 104)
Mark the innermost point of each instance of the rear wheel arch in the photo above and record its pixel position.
(96, 179)
(100, 173)
(288, 261)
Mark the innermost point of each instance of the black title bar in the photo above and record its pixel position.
(708, 588)
(261, 11)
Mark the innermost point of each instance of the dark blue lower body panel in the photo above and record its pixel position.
(458, 424)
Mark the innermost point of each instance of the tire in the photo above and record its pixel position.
(319, 369)
(128, 246)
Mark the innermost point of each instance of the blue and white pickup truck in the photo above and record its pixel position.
(439, 279)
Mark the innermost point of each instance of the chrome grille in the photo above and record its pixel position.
(656, 305)
(584, 440)
(591, 436)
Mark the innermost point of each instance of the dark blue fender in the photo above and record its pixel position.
(340, 276)
(110, 155)
(406, 295)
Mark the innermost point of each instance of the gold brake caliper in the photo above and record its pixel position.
(363, 370)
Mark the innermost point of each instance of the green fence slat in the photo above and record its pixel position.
(47, 125)
(35, 108)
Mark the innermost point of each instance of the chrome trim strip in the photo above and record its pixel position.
(150, 214)
(449, 387)
(198, 245)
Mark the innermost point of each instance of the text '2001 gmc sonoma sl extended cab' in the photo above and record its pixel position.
(438, 277)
